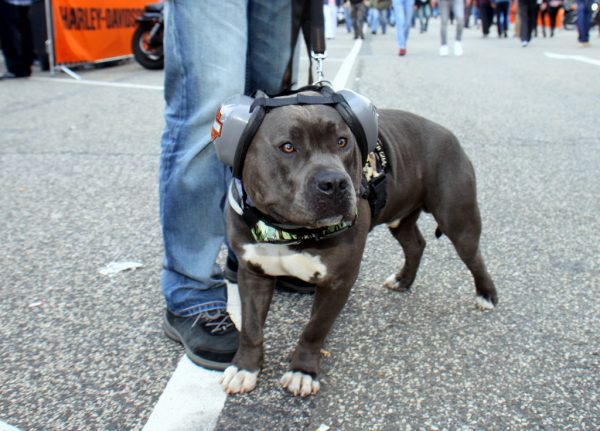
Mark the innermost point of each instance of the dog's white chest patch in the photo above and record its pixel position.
(280, 260)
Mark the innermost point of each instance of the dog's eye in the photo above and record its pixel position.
(342, 142)
(287, 148)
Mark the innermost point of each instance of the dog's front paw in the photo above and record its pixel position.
(393, 283)
(236, 381)
(300, 384)
(484, 304)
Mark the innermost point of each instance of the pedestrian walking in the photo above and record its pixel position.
(458, 7)
(403, 10)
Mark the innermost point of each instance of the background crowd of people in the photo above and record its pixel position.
(528, 16)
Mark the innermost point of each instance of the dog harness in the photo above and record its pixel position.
(373, 180)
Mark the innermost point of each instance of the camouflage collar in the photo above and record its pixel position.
(265, 230)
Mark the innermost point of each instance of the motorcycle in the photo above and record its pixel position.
(147, 41)
(570, 14)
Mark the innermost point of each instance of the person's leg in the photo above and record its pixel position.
(584, 17)
(408, 12)
(402, 21)
(534, 10)
(199, 75)
(360, 18)
(459, 15)
(26, 38)
(486, 19)
(383, 20)
(269, 47)
(444, 6)
(420, 14)
(348, 19)
(483, 17)
(334, 23)
(505, 17)
(499, 22)
(17, 61)
(373, 20)
(553, 11)
(523, 11)
(354, 17)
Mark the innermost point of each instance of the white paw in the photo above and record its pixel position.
(236, 381)
(299, 383)
(483, 304)
(391, 282)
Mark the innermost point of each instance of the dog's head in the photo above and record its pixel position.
(299, 156)
(303, 167)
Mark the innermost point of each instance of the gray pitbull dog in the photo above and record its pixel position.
(304, 169)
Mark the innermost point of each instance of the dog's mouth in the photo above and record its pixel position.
(327, 221)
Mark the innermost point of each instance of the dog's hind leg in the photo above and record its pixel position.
(408, 235)
(463, 228)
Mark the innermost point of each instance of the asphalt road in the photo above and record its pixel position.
(82, 350)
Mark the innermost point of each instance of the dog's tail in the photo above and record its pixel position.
(438, 232)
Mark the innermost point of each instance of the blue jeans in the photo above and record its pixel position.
(347, 19)
(458, 7)
(403, 11)
(377, 17)
(584, 19)
(213, 50)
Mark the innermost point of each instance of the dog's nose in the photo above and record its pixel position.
(330, 182)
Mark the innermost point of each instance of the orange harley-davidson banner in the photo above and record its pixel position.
(92, 30)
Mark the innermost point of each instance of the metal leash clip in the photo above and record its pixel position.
(319, 59)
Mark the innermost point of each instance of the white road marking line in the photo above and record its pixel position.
(6, 427)
(192, 400)
(581, 58)
(100, 83)
(341, 79)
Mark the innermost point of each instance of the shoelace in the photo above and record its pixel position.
(218, 321)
